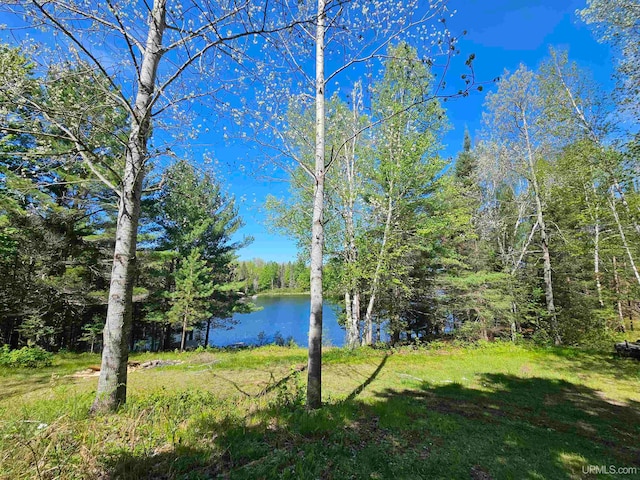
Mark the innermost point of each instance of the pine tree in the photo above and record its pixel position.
(190, 302)
(466, 163)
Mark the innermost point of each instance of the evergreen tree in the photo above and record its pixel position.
(466, 165)
(191, 212)
(191, 300)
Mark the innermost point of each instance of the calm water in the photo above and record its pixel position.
(287, 315)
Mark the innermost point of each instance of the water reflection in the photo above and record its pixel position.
(286, 315)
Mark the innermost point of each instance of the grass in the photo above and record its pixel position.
(499, 411)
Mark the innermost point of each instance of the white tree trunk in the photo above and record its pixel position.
(582, 119)
(355, 316)
(616, 282)
(368, 318)
(112, 384)
(349, 316)
(314, 367)
(352, 296)
(544, 240)
(595, 216)
(623, 199)
(596, 262)
(623, 237)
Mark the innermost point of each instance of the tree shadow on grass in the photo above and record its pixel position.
(13, 387)
(367, 382)
(512, 427)
(588, 363)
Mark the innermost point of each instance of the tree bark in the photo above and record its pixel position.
(544, 240)
(596, 262)
(582, 119)
(368, 318)
(616, 281)
(314, 366)
(350, 231)
(355, 315)
(184, 332)
(206, 335)
(349, 316)
(623, 237)
(352, 296)
(596, 239)
(112, 384)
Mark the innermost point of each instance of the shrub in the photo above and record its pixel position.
(290, 394)
(26, 357)
(469, 332)
(542, 338)
(599, 339)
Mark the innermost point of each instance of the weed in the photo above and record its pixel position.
(290, 394)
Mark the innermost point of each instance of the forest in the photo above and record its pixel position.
(480, 287)
(112, 235)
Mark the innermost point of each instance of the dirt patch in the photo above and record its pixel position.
(153, 364)
(479, 473)
(94, 370)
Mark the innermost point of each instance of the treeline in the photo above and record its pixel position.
(57, 225)
(257, 276)
(533, 232)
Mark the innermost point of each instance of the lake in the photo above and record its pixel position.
(287, 315)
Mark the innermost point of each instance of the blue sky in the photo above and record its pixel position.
(502, 34)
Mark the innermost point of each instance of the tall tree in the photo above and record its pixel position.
(190, 212)
(618, 22)
(139, 36)
(466, 164)
(405, 170)
(47, 201)
(347, 28)
(514, 119)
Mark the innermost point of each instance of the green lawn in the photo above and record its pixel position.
(499, 411)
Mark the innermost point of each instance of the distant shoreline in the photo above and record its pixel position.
(276, 293)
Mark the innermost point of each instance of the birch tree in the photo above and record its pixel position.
(155, 57)
(343, 193)
(404, 172)
(515, 120)
(343, 38)
(618, 22)
(349, 189)
(579, 110)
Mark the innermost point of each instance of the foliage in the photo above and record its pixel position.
(617, 22)
(257, 276)
(290, 394)
(533, 232)
(91, 332)
(25, 357)
(54, 222)
(190, 212)
(190, 302)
